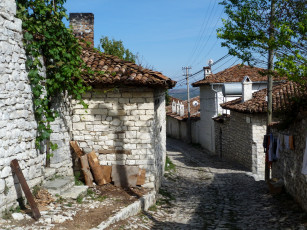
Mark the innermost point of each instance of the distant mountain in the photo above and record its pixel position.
(182, 93)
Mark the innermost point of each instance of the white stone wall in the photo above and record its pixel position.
(240, 139)
(17, 122)
(124, 119)
(178, 129)
(61, 160)
(159, 133)
(288, 167)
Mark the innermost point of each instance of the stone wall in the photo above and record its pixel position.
(239, 138)
(61, 160)
(126, 126)
(288, 167)
(159, 134)
(178, 129)
(17, 122)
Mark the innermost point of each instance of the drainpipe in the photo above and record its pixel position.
(216, 97)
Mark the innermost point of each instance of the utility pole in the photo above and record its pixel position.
(270, 80)
(189, 109)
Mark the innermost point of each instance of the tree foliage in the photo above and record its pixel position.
(48, 43)
(246, 33)
(116, 48)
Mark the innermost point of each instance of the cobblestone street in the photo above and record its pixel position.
(206, 193)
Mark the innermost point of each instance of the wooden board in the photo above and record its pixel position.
(141, 177)
(76, 148)
(96, 168)
(17, 170)
(124, 176)
(113, 151)
(107, 171)
(88, 177)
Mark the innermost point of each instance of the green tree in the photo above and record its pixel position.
(116, 48)
(246, 33)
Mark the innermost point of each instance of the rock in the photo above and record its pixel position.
(17, 216)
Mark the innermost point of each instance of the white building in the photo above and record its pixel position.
(219, 88)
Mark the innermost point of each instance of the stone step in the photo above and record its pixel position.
(59, 185)
(74, 192)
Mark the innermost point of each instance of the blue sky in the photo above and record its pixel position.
(168, 34)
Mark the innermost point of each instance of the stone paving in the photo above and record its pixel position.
(207, 193)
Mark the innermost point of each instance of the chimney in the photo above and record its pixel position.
(247, 92)
(181, 110)
(83, 26)
(207, 71)
(174, 105)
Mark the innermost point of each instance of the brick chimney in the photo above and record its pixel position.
(247, 91)
(207, 71)
(83, 26)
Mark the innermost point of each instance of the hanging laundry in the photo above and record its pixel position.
(286, 142)
(281, 142)
(291, 142)
(279, 147)
(304, 168)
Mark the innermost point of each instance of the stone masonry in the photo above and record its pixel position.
(126, 126)
(17, 122)
(239, 138)
(288, 167)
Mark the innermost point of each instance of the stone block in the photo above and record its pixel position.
(79, 126)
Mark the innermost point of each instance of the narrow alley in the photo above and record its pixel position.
(206, 193)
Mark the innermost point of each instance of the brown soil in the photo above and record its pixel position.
(120, 198)
(116, 197)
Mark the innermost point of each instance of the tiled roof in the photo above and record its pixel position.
(234, 74)
(120, 72)
(195, 110)
(282, 95)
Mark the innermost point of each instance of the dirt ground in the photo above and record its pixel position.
(87, 212)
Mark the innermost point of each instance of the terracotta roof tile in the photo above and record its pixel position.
(235, 74)
(195, 110)
(282, 96)
(120, 72)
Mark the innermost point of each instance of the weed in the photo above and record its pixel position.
(69, 204)
(77, 179)
(153, 208)
(90, 192)
(59, 199)
(80, 199)
(101, 198)
(6, 214)
(166, 193)
(35, 190)
(169, 165)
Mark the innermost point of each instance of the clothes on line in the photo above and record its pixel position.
(304, 168)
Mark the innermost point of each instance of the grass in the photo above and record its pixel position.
(7, 213)
(78, 182)
(169, 165)
(153, 208)
(59, 199)
(80, 199)
(94, 196)
(35, 190)
(167, 194)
